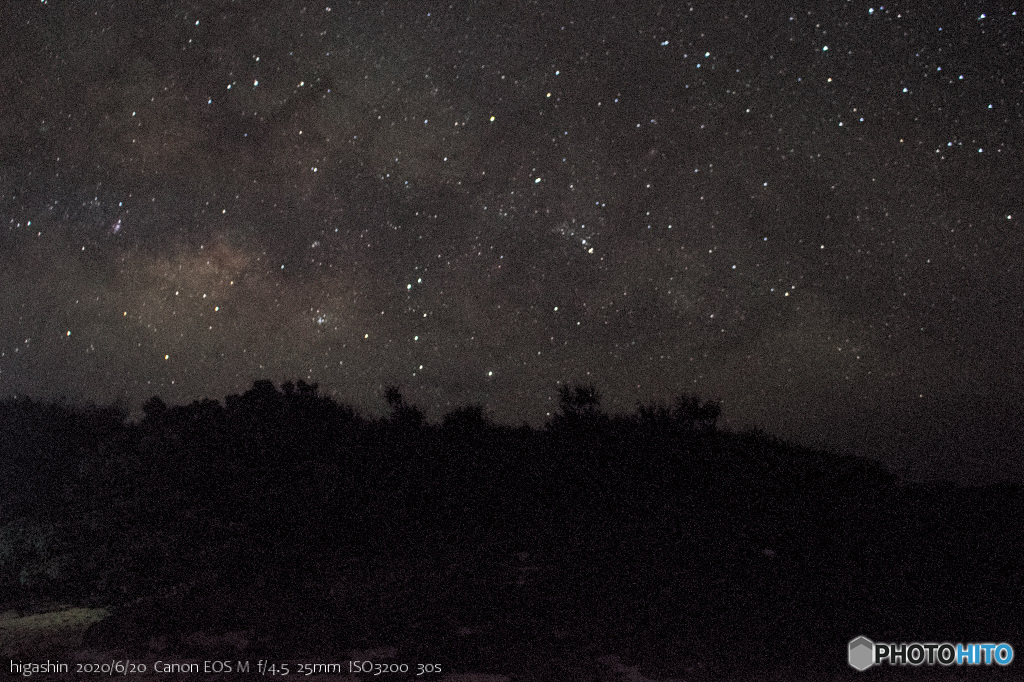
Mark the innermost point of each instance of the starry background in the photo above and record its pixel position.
(811, 213)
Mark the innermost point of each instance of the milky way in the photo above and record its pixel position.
(812, 214)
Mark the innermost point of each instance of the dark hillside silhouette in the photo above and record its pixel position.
(313, 529)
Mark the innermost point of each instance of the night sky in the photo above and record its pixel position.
(812, 212)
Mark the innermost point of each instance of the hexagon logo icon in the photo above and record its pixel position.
(862, 653)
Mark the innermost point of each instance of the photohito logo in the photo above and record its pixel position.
(863, 653)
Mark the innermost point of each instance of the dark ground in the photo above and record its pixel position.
(283, 527)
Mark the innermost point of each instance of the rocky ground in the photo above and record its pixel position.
(488, 616)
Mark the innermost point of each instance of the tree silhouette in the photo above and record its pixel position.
(579, 400)
(696, 416)
(403, 414)
(154, 408)
(579, 407)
